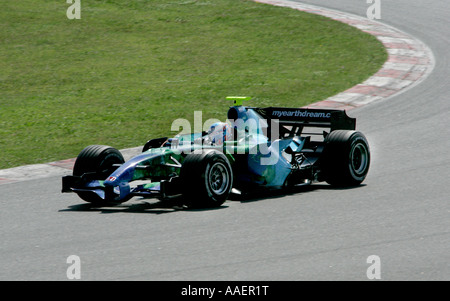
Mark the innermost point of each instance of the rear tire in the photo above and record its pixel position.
(100, 160)
(346, 158)
(207, 179)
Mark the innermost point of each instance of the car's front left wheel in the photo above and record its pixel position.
(207, 179)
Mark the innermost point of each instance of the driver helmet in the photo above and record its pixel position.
(219, 132)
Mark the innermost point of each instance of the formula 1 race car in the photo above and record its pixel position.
(256, 148)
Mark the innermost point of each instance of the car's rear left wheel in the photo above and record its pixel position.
(346, 158)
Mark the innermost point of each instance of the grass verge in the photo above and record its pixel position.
(123, 72)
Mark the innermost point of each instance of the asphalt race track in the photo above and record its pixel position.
(400, 214)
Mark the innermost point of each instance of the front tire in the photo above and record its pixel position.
(346, 158)
(98, 159)
(207, 179)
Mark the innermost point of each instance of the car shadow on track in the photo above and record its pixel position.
(162, 207)
(279, 193)
(137, 206)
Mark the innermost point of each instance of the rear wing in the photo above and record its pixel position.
(293, 121)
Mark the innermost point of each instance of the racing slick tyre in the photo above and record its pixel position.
(99, 159)
(207, 179)
(346, 158)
